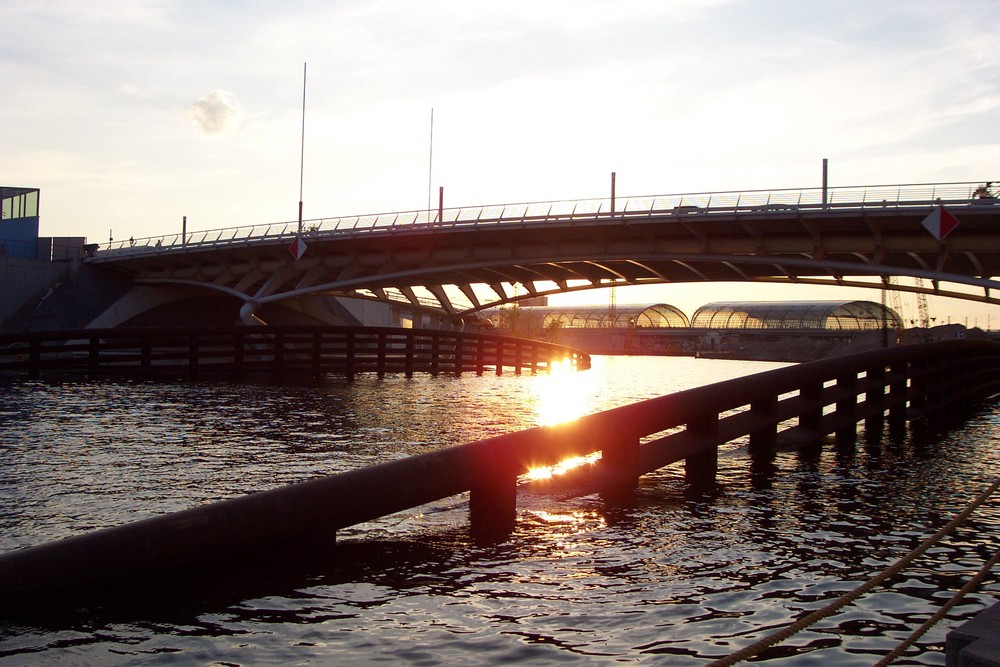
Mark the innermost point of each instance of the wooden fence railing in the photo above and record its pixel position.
(796, 405)
(235, 351)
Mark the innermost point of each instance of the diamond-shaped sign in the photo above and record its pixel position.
(940, 222)
(298, 247)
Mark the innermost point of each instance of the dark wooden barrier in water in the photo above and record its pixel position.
(195, 352)
(792, 406)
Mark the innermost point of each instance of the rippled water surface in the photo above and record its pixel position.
(675, 579)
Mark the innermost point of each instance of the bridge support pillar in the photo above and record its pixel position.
(493, 501)
(701, 467)
(620, 468)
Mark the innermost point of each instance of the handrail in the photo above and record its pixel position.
(920, 195)
(797, 404)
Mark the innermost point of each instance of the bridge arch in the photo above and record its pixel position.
(475, 260)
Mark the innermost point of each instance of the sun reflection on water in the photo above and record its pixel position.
(564, 466)
(563, 394)
(574, 519)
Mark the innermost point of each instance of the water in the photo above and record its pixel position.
(676, 579)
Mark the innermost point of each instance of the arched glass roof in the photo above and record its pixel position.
(591, 317)
(832, 315)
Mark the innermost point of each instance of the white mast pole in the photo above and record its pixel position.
(302, 150)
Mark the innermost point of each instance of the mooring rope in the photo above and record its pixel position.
(932, 621)
(845, 599)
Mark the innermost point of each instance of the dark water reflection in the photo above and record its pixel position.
(674, 578)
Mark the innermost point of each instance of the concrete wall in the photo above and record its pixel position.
(24, 280)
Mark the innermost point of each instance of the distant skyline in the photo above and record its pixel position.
(130, 115)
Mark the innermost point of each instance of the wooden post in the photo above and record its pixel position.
(34, 358)
(317, 352)
(811, 419)
(620, 465)
(875, 397)
(93, 355)
(764, 439)
(493, 498)
(847, 408)
(349, 356)
(435, 352)
(381, 354)
(193, 352)
(146, 354)
(408, 362)
(700, 469)
(279, 351)
(457, 366)
(239, 352)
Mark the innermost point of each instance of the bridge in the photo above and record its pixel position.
(449, 264)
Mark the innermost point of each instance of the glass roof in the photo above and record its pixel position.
(833, 315)
(592, 317)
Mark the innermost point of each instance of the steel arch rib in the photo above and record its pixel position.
(498, 267)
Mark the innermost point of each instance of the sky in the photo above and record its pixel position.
(132, 114)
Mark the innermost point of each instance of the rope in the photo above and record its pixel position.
(845, 599)
(929, 623)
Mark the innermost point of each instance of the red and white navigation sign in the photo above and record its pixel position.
(298, 247)
(940, 222)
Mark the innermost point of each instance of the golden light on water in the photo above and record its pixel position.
(576, 518)
(561, 468)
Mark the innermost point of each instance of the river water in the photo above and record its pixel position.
(676, 579)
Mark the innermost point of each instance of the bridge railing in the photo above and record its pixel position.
(797, 405)
(747, 201)
(281, 350)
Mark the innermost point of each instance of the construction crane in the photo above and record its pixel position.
(612, 306)
(891, 299)
(923, 312)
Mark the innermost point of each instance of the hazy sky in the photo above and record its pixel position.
(130, 114)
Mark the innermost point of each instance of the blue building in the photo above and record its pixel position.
(19, 222)
(19, 230)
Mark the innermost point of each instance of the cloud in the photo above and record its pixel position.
(217, 113)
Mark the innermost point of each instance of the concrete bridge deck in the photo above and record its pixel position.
(455, 262)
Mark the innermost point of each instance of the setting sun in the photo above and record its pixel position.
(563, 394)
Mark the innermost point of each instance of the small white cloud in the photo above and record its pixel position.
(217, 113)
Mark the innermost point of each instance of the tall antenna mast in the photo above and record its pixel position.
(302, 150)
(430, 167)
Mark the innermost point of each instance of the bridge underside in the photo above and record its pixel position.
(455, 271)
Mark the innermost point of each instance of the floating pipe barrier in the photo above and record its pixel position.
(792, 406)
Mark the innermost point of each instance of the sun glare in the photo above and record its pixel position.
(561, 468)
(563, 394)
